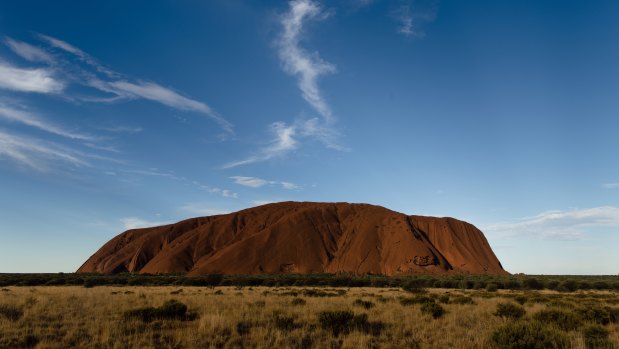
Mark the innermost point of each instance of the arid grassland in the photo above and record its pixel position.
(304, 317)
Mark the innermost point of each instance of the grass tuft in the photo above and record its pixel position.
(364, 304)
(170, 310)
(11, 312)
(509, 310)
(528, 335)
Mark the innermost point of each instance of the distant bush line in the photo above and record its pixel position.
(515, 282)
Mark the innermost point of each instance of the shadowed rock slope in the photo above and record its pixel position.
(301, 237)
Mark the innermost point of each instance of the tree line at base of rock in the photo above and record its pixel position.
(489, 283)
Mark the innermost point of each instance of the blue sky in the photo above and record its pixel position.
(118, 114)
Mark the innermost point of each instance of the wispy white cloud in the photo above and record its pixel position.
(611, 185)
(153, 172)
(83, 56)
(229, 194)
(321, 131)
(254, 182)
(411, 20)
(65, 46)
(289, 186)
(286, 138)
(406, 22)
(121, 129)
(202, 209)
(206, 188)
(166, 96)
(39, 80)
(307, 67)
(566, 225)
(27, 118)
(251, 182)
(136, 223)
(121, 87)
(107, 148)
(283, 143)
(28, 52)
(36, 154)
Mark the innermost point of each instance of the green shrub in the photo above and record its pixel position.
(552, 284)
(528, 335)
(23, 340)
(360, 323)
(565, 320)
(535, 297)
(419, 299)
(11, 312)
(561, 303)
(414, 286)
(467, 284)
(336, 321)
(596, 337)
(379, 282)
(614, 314)
(598, 314)
(298, 301)
(492, 287)
(342, 322)
(283, 322)
(362, 303)
(533, 284)
(444, 298)
(243, 328)
(90, 283)
(320, 293)
(479, 285)
(509, 310)
(521, 299)
(512, 285)
(462, 300)
(601, 285)
(213, 280)
(568, 286)
(433, 309)
(170, 310)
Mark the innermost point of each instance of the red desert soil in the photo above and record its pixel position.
(301, 237)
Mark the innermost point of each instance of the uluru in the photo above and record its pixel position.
(301, 237)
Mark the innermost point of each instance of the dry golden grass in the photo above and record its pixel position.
(64, 317)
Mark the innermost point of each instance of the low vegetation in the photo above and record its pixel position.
(564, 319)
(529, 335)
(509, 310)
(286, 316)
(170, 310)
(11, 312)
(414, 284)
(433, 309)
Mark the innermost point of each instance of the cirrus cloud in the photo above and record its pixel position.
(562, 225)
(38, 80)
(254, 182)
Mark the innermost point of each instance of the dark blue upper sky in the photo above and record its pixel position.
(117, 114)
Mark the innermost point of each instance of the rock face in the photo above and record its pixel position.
(301, 237)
